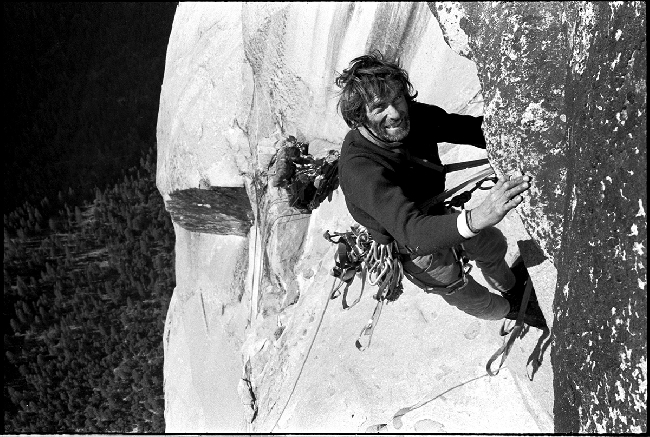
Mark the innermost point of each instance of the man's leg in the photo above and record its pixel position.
(431, 272)
(489, 249)
(478, 301)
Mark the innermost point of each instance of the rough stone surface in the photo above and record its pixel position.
(565, 101)
(602, 285)
(220, 210)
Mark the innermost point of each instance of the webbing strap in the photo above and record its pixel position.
(448, 193)
(423, 162)
(344, 300)
(514, 332)
(448, 168)
(463, 165)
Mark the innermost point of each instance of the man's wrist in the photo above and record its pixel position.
(470, 224)
(464, 225)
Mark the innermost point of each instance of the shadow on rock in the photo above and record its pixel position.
(536, 358)
(531, 252)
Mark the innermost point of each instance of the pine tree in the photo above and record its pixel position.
(21, 316)
(78, 216)
(26, 309)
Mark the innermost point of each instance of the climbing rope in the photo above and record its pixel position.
(397, 417)
(302, 365)
(385, 270)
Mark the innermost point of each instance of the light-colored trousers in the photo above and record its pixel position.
(488, 250)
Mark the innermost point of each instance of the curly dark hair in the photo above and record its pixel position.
(369, 77)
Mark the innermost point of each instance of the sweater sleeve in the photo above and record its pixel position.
(456, 128)
(370, 187)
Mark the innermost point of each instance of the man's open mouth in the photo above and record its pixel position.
(395, 125)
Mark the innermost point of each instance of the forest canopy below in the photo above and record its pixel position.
(85, 299)
(88, 246)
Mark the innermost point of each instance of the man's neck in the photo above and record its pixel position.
(370, 136)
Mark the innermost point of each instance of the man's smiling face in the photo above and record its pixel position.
(388, 118)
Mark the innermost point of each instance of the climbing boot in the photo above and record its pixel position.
(521, 276)
(533, 315)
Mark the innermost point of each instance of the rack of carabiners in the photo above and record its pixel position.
(378, 263)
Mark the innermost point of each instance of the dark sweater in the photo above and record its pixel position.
(384, 189)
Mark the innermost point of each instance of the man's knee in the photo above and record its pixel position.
(477, 301)
(490, 242)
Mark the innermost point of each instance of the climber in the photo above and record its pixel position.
(389, 167)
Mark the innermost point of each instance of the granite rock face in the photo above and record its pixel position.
(565, 101)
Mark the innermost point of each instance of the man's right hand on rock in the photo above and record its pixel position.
(503, 197)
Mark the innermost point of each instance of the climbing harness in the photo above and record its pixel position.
(514, 332)
(380, 264)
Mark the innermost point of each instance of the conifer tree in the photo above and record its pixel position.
(78, 216)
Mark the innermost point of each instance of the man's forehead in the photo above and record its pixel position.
(390, 95)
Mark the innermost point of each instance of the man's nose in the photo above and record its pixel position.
(393, 113)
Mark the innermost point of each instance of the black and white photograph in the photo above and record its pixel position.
(325, 217)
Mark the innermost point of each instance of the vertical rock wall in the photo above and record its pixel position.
(602, 289)
(565, 101)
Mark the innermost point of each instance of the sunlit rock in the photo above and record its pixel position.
(565, 101)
